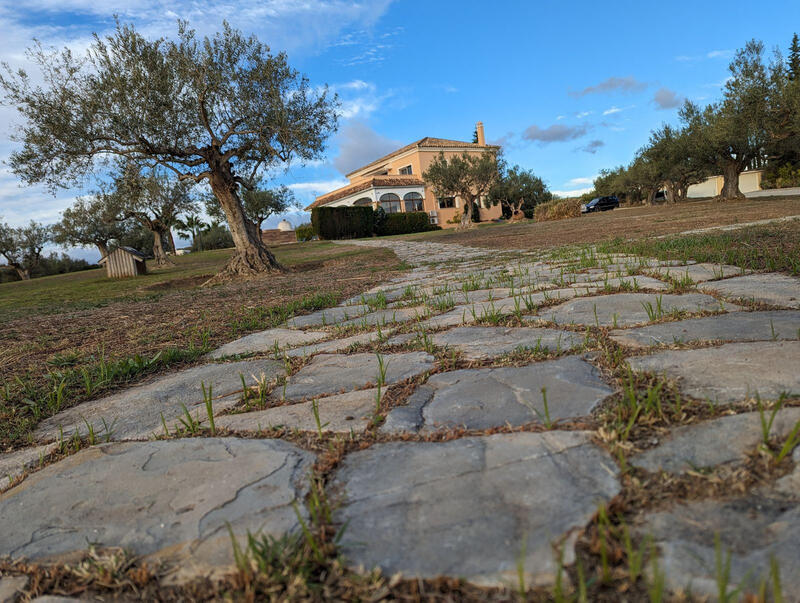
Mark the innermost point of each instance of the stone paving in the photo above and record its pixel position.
(527, 353)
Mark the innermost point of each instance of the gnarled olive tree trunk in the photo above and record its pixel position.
(730, 182)
(159, 254)
(251, 256)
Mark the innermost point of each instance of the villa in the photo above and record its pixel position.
(394, 182)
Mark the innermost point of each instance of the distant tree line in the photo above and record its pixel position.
(756, 124)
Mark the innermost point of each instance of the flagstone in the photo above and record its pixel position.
(267, 341)
(171, 500)
(473, 507)
(329, 374)
(625, 309)
(714, 442)
(493, 397)
(477, 343)
(736, 326)
(139, 412)
(749, 531)
(699, 273)
(342, 413)
(731, 372)
(773, 288)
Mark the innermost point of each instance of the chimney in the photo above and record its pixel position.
(481, 136)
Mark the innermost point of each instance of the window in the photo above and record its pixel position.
(406, 170)
(363, 201)
(413, 201)
(445, 202)
(390, 203)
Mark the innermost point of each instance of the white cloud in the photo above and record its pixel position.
(719, 54)
(711, 54)
(319, 187)
(579, 181)
(359, 145)
(576, 192)
(297, 26)
(359, 98)
(583, 114)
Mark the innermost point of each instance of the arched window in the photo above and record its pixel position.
(390, 203)
(413, 201)
(363, 201)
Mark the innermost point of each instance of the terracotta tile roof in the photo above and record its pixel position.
(375, 181)
(426, 142)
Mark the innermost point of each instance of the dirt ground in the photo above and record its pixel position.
(634, 223)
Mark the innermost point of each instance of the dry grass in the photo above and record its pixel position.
(64, 325)
(631, 223)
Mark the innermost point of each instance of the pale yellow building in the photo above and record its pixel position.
(749, 182)
(394, 182)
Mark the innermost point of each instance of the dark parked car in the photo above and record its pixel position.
(600, 204)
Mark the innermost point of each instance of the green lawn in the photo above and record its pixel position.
(92, 289)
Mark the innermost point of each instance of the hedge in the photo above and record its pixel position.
(557, 209)
(342, 222)
(404, 223)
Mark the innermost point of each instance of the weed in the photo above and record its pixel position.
(315, 410)
(90, 437)
(722, 567)
(382, 366)
(654, 312)
(548, 423)
(208, 399)
(108, 430)
(164, 424)
(190, 424)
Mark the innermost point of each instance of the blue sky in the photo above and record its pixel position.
(566, 87)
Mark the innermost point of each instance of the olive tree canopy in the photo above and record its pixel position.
(467, 176)
(22, 246)
(218, 110)
(88, 222)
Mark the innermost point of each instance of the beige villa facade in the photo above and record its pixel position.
(749, 181)
(394, 182)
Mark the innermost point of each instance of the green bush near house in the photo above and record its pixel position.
(342, 222)
(404, 223)
(304, 232)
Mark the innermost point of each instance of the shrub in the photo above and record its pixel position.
(404, 223)
(304, 232)
(781, 176)
(342, 222)
(557, 209)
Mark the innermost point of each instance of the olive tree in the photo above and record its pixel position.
(519, 189)
(88, 222)
(258, 203)
(217, 110)
(676, 163)
(22, 246)
(152, 200)
(467, 176)
(734, 132)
